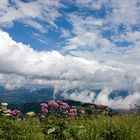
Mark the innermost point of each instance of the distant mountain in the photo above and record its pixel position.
(23, 95)
(2, 89)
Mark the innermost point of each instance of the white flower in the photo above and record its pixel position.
(4, 104)
(30, 113)
(6, 114)
(6, 111)
(51, 130)
(81, 126)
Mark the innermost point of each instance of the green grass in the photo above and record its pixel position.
(122, 127)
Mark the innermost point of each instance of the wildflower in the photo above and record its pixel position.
(82, 111)
(51, 130)
(59, 102)
(73, 107)
(73, 111)
(6, 114)
(14, 112)
(44, 110)
(71, 114)
(3, 108)
(64, 106)
(7, 111)
(44, 105)
(30, 113)
(4, 104)
(81, 126)
(53, 103)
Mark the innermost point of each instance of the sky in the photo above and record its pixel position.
(72, 44)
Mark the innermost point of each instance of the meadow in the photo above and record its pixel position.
(59, 121)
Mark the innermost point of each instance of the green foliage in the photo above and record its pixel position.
(121, 127)
(11, 129)
(106, 128)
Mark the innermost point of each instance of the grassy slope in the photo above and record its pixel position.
(121, 127)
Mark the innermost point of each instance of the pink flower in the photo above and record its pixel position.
(73, 111)
(44, 110)
(59, 102)
(73, 107)
(53, 104)
(72, 114)
(14, 112)
(44, 105)
(64, 106)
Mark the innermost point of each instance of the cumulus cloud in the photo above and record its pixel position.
(49, 64)
(22, 59)
(22, 66)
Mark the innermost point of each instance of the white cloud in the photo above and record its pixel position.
(125, 11)
(122, 11)
(65, 33)
(85, 96)
(45, 63)
(118, 102)
(36, 25)
(91, 3)
(17, 10)
(23, 66)
(88, 29)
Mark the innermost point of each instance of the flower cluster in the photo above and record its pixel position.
(59, 107)
(44, 108)
(64, 106)
(72, 112)
(14, 113)
(8, 112)
(3, 109)
(53, 104)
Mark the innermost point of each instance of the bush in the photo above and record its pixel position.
(59, 121)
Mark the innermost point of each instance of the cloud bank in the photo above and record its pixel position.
(22, 66)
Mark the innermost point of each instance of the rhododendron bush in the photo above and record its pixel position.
(58, 120)
(57, 109)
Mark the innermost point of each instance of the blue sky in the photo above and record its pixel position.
(92, 44)
(53, 37)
